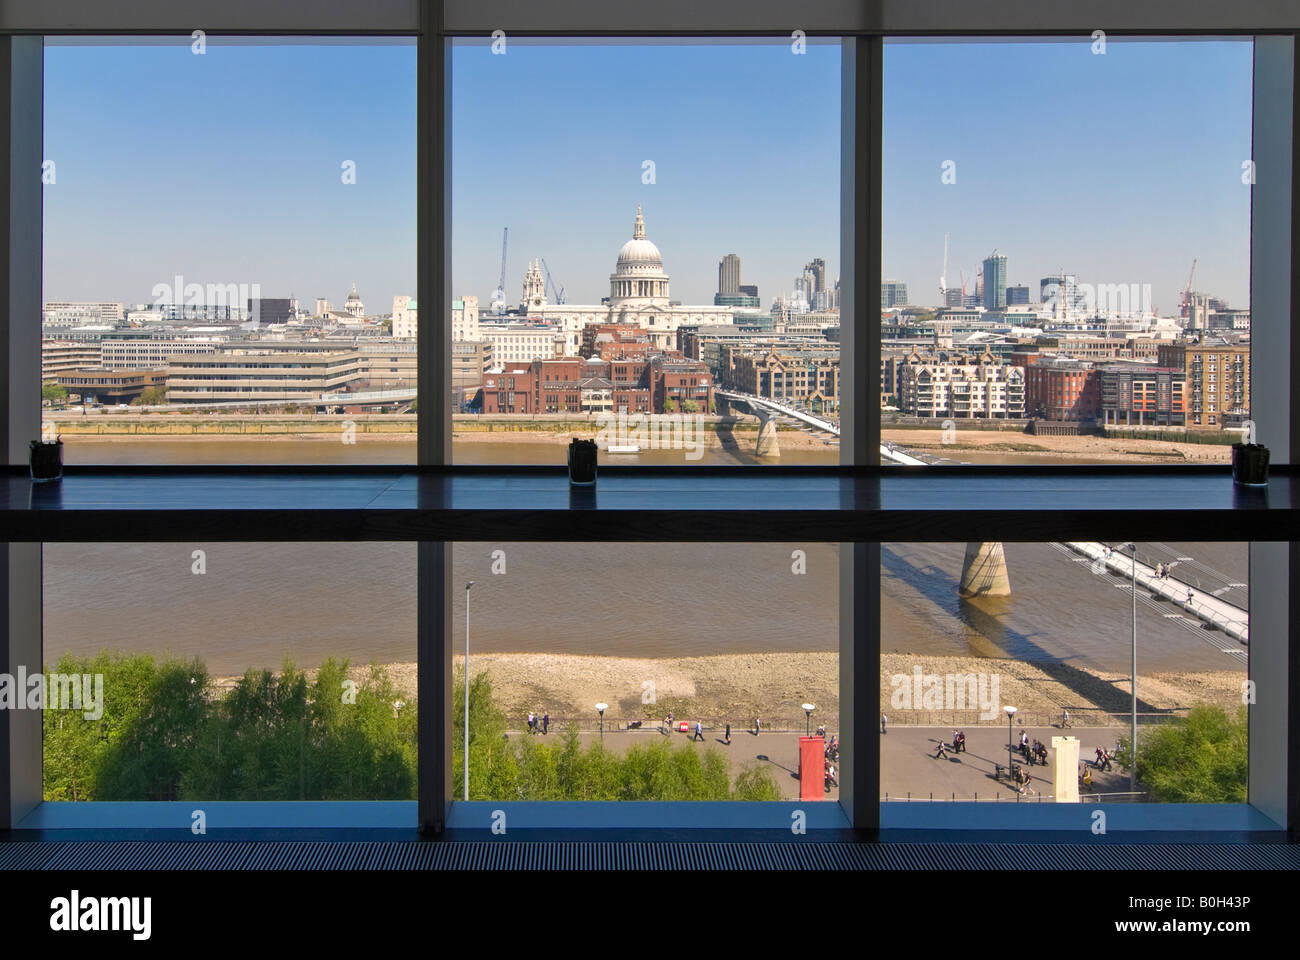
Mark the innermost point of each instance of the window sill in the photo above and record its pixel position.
(771, 504)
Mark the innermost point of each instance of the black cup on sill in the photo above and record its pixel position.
(47, 461)
(582, 463)
(1250, 464)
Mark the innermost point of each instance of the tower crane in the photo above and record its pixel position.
(943, 277)
(553, 289)
(1187, 294)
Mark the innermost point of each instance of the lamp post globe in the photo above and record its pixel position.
(808, 709)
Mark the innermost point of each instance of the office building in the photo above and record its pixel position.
(995, 282)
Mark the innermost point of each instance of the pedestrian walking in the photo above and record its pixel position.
(546, 721)
(756, 726)
(883, 720)
(1065, 719)
(699, 732)
(728, 741)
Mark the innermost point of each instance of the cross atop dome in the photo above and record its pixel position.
(638, 228)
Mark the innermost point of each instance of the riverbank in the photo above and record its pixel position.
(1010, 446)
(773, 687)
(360, 429)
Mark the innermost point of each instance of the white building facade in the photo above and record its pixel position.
(981, 388)
(638, 296)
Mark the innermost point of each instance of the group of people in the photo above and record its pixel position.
(539, 724)
(958, 745)
(1033, 753)
(697, 733)
(832, 748)
(1103, 759)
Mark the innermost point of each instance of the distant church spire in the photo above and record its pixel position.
(638, 229)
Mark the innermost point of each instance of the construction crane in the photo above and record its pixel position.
(1187, 294)
(499, 298)
(553, 289)
(943, 277)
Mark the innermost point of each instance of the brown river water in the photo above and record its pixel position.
(256, 604)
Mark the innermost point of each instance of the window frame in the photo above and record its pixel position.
(1275, 291)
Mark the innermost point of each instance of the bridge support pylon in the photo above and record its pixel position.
(767, 445)
(984, 571)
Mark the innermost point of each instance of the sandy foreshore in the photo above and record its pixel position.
(773, 686)
(1012, 446)
(557, 431)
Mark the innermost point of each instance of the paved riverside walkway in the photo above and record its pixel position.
(1228, 617)
(907, 761)
(781, 750)
(907, 758)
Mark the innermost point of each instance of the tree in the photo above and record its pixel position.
(152, 715)
(690, 406)
(151, 396)
(1201, 759)
(670, 405)
(53, 392)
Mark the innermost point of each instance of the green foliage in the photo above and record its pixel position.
(54, 393)
(670, 405)
(166, 734)
(755, 783)
(280, 737)
(1201, 759)
(152, 717)
(493, 766)
(690, 406)
(538, 768)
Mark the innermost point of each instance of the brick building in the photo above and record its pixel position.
(591, 385)
(1062, 390)
(1140, 395)
(1218, 381)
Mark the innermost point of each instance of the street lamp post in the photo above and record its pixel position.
(808, 709)
(466, 751)
(1133, 720)
(1011, 712)
(601, 708)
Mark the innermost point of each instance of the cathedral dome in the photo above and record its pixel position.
(640, 252)
(639, 276)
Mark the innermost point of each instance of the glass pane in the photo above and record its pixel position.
(1062, 291)
(230, 671)
(972, 631)
(657, 671)
(229, 223)
(655, 265)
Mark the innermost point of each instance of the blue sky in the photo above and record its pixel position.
(225, 168)
(1119, 167)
